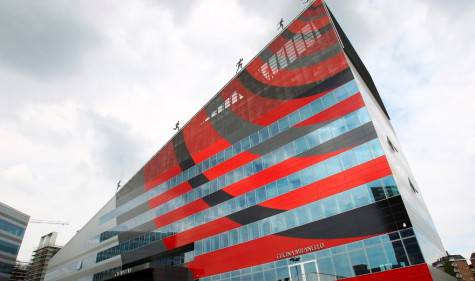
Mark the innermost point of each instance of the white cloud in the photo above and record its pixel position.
(135, 68)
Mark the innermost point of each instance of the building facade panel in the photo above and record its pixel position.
(13, 224)
(285, 174)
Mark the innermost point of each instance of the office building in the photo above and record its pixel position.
(13, 224)
(292, 171)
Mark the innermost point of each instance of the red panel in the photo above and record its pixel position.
(287, 77)
(259, 110)
(161, 167)
(276, 172)
(412, 273)
(170, 194)
(152, 182)
(230, 164)
(347, 106)
(361, 174)
(255, 252)
(296, 26)
(200, 232)
(180, 213)
(201, 139)
(279, 111)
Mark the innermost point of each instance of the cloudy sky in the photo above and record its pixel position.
(90, 90)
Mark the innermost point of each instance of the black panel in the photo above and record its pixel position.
(198, 180)
(253, 214)
(217, 197)
(360, 67)
(350, 139)
(380, 217)
(182, 154)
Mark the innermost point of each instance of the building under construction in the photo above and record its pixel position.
(19, 271)
(41, 257)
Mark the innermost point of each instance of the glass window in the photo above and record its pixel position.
(284, 124)
(316, 106)
(342, 266)
(345, 202)
(359, 263)
(329, 206)
(377, 259)
(413, 251)
(325, 266)
(270, 275)
(264, 133)
(282, 273)
(258, 276)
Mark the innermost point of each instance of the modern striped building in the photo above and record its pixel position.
(13, 224)
(291, 172)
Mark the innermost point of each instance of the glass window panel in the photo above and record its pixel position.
(282, 273)
(359, 263)
(377, 259)
(325, 266)
(270, 275)
(345, 202)
(316, 106)
(413, 251)
(342, 266)
(329, 206)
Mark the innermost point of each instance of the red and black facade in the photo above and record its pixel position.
(290, 172)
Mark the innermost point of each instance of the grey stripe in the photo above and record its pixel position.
(140, 209)
(131, 189)
(140, 230)
(14, 220)
(148, 251)
(353, 138)
(11, 237)
(284, 138)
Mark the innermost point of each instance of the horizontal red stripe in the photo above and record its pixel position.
(356, 176)
(340, 109)
(229, 165)
(181, 213)
(216, 147)
(349, 179)
(314, 73)
(276, 172)
(255, 252)
(170, 194)
(284, 109)
(200, 232)
(150, 183)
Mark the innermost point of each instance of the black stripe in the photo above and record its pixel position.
(380, 217)
(198, 180)
(181, 151)
(289, 93)
(253, 214)
(217, 197)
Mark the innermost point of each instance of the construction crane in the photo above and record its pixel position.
(49, 222)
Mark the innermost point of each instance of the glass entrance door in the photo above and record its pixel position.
(306, 271)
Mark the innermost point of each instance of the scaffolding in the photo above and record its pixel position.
(19, 271)
(41, 257)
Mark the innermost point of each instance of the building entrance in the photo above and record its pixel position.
(307, 271)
